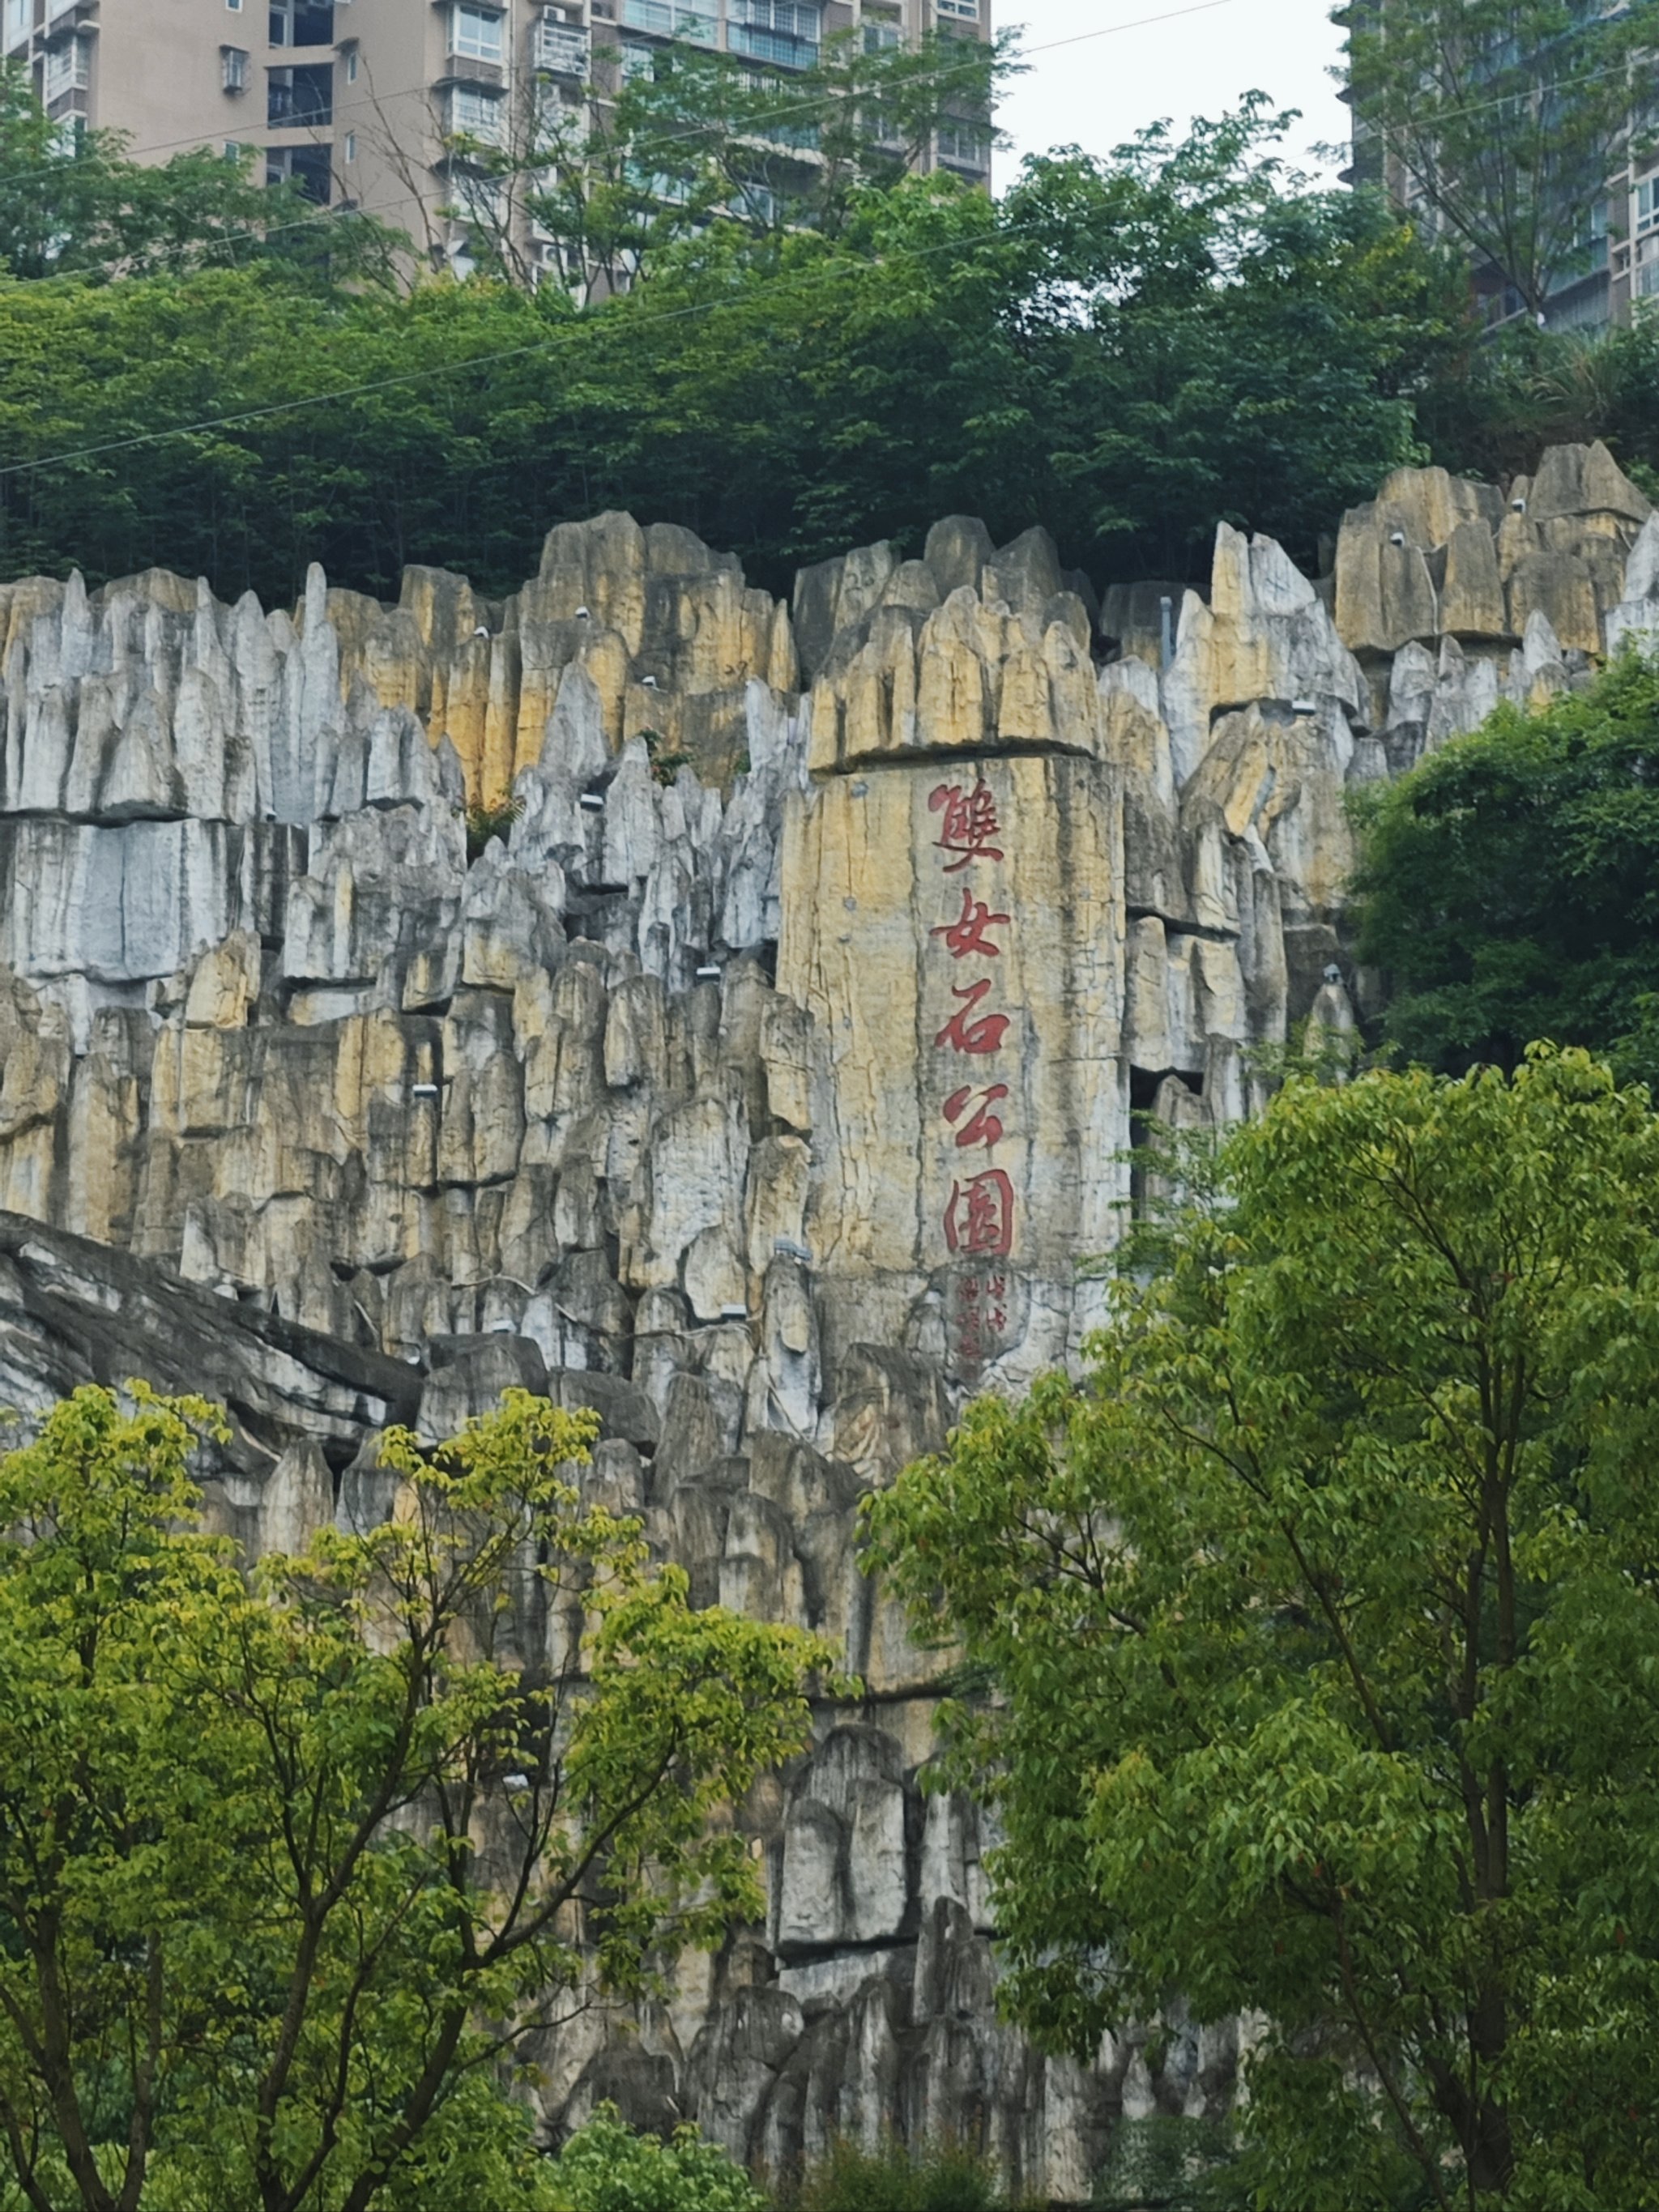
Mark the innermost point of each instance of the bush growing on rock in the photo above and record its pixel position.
(607, 2168)
(899, 2177)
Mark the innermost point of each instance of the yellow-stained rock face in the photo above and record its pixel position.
(668, 632)
(956, 930)
(762, 1085)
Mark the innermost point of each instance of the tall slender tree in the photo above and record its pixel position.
(1500, 121)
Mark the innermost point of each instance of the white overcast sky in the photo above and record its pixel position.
(1096, 92)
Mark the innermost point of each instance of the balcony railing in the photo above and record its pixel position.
(470, 115)
(69, 68)
(671, 19)
(782, 47)
(560, 49)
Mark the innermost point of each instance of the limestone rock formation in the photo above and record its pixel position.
(762, 1087)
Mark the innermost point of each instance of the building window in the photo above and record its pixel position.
(561, 47)
(881, 38)
(351, 145)
(1647, 206)
(636, 63)
(234, 68)
(235, 6)
(474, 114)
(301, 23)
(672, 19)
(308, 166)
(19, 15)
(796, 19)
(301, 97)
(965, 11)
(69, 68)
(785, 31)
(966, 144)
(475, 33)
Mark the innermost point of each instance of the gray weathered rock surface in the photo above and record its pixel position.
(762, 1087)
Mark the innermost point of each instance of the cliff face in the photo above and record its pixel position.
(763, 1087)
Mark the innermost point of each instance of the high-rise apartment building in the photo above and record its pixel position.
(361, 100)
(1613, 219)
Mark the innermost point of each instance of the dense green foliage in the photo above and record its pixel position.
(899, 2177)
(1126, 351)
(289, 1873)
(1162, 2164)
(607, 2168)
(1503, 119)
(1507, 399)
(1509, 884)
(1325, 1619)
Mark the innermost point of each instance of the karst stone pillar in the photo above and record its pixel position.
(954, 920)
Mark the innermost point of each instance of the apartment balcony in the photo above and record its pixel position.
(785, 49)
(300, 98)
(68, 69)
(63, 18)
(672, 19)
(467, 69)
(475, 118)
(562, 49)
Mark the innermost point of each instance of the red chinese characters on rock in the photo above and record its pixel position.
(968, 934)
(980, 1218)
(982, 1315)
(962, 1033)
(970, 823)
(983, 1127)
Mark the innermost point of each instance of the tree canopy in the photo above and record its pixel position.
(296, 1873)
(1321, 1620)
(1500, 122)
(1126, 351)
(1509, 886)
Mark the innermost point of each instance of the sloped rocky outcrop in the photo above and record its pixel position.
(763, 1087)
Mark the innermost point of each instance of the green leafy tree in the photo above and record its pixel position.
(1125, 352)
(73, 204)
(292, 1874)
(1500, 122)
(607, 2168)
(1509, 884)
(1322, 1619)
(639, 161)
(1224, 341)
